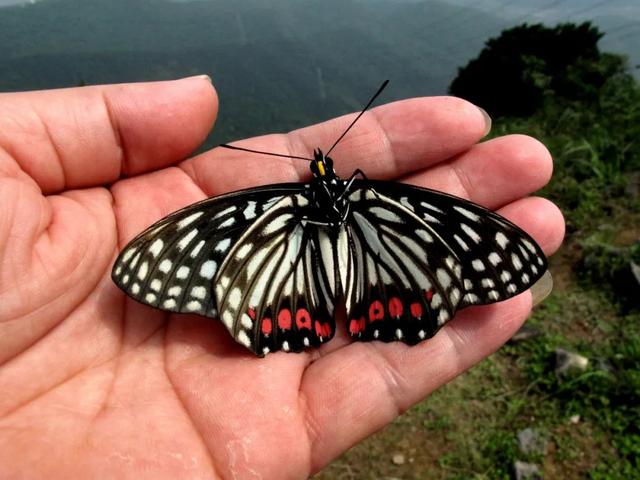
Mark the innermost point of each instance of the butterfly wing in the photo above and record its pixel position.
(276, 288)
(172, 265)
(420, 255)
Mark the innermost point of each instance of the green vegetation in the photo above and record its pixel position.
(468, 430)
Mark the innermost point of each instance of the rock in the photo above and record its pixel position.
(567, 362)
(532, 441)
(635, 272)
(633, 186)
(398, 459)
(526, 471)
(526, 332)
(574, 419)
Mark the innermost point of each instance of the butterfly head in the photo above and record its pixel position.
(322, 166)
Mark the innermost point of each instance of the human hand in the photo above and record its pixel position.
(95, 385)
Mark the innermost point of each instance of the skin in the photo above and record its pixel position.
(96, 385)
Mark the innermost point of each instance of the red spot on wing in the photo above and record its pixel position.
(326, 330)
(428, 294)
(303, 319)
(323, 329)
(353, 326)
(356, 325)
(252, 313)
(284, 319)
(376, 311)
(267, 326)
(416, 310)
(395, 307)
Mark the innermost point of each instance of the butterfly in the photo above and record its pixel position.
(272, 262)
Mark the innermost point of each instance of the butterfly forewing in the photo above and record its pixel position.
(498, 259)
(272, 288)
(173, 264)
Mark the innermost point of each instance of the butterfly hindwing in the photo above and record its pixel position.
(173, 264)
(407, 282)
(274, 290)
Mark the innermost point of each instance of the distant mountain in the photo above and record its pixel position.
(276, 65)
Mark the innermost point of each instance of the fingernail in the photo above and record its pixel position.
(207, 77)
(487, 121)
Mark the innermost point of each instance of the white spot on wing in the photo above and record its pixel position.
(443, 316)
(502, 240)
(243, 338)
(127, 255)
(461, 242)
(250, 210)
(471, 232)
(196, 250)
(227, 319)
(228, 222)
(424, 236)
(443, 278)
(487, 283)
(515, 259)
(385, 214)
(199, 292)
(156, 285)
(505, 276)
(477, 265)
(156, 247)
(246, 321)
(436, 301)
(431, 207)
(494, 258)
(208, 269)
(467, 213)
(165, 265)
(243, 250)
(183, 272)
(224, 212)
(234, 299)
(150, 297)
(186, 240)
(223, 245)
(169, 303)
(188, 220)
(174, 291)
(142, 271)
(135, 289)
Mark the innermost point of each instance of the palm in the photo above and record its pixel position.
(95, 384)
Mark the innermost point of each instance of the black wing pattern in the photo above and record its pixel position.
(420, 255)
(172, 265)
(276, 289)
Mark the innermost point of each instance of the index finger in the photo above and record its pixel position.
(388, 141)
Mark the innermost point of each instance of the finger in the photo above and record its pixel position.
(90, 136)
(356, 390)
(491, 173)
(388, 141)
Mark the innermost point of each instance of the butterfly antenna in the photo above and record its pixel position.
(231, 147)
(384, 84)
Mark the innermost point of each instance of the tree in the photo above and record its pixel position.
(516, 71)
